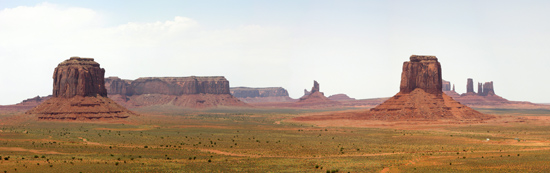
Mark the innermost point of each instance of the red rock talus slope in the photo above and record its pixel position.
(420, 98)
(79, 93)
(260, 95)
(190, 92)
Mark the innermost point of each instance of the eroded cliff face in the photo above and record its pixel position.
(422, 72)
(79, 93)
(115, 85)
(246, 92)
(169, 85)
(79, 77)
(192, 92)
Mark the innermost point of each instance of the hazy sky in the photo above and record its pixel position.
(352, 47)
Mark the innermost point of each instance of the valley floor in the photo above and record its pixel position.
(267, 140)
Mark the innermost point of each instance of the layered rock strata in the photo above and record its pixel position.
(79, 93)
(192, 92)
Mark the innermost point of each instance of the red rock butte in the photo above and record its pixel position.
(420, 98)
(79, 93)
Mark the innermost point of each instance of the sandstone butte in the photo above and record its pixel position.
(420, 98)
(486, 98)
(189, 92)
(315, 98)
(79, 93)
(261, 95)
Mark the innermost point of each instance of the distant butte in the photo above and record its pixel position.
(316, 98)
(486, 98)
(79, 93)
(420, 98)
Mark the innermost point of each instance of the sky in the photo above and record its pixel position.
(351, 47)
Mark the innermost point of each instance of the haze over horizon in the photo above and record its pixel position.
(352, 47)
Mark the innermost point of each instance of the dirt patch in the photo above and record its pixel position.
(28, 150)
(88, 142)
(201, 126)
(129, 129)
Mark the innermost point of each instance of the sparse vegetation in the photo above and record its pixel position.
(208, 141)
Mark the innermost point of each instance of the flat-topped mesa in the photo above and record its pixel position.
(422, 72)
(192, 92)
(246, 92)
(179, 85)
(79, 77)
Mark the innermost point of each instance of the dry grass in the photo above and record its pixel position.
(264, 140)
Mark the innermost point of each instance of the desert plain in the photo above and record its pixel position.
(268, 140)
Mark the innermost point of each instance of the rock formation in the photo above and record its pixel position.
(257, 95)
(244, 92)
(421, 97)
(470, 86)
(115, 85)
(316, 98)
(446, 85)
(306, 92)
(192, 92)
(315, 87)
(422, 72)
(479, 88)
(486, 98)
(79, 93)
(454, 87)
(340, 97)
(488, 89)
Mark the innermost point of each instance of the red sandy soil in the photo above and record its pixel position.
(501, 120)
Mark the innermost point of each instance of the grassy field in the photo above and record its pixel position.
(262, 141)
